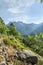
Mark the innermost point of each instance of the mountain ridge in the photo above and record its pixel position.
(30, 28)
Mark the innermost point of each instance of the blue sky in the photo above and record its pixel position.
(27, 11)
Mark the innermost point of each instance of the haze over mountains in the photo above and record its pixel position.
(31, 28)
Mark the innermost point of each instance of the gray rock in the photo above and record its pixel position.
(32, 59)
(23, 56)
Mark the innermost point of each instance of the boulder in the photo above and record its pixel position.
(21, 56)
(32, 59)
(24, 56)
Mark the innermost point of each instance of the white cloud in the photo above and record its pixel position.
(36, 20)
(23, 18)
(19, 6)
(20, 2)
(40, 20)
(15, 10)
(27, 19)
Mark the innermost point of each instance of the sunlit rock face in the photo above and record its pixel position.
(28, 58)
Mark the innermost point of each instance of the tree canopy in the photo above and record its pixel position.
(41, 0)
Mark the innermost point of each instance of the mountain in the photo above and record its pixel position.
(32, 28)
(39, 29)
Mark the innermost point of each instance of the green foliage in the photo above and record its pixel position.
(41, 0)
(11, 40)
(1, 21)
(35, 43)
(7, 41)
(41, 52)
(13, 37)
(3, 27)
(41, 35)
(40, 63)
(13, 31)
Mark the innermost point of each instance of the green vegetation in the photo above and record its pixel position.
(14, 42)
(3, 27)
(13, 37)
(41, 35)
(34, 43)
(41, 0)
(13, 31)
(40, 63)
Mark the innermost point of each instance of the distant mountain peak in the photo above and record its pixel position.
(30, 28)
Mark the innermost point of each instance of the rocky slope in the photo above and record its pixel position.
(12, 56)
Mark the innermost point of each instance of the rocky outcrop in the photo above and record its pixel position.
(32, 59)
(25, 57)
(8, 54)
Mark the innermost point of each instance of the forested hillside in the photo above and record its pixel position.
(12, 37)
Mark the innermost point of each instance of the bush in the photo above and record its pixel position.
(41, 52)
(40, 63)
(7, 41)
